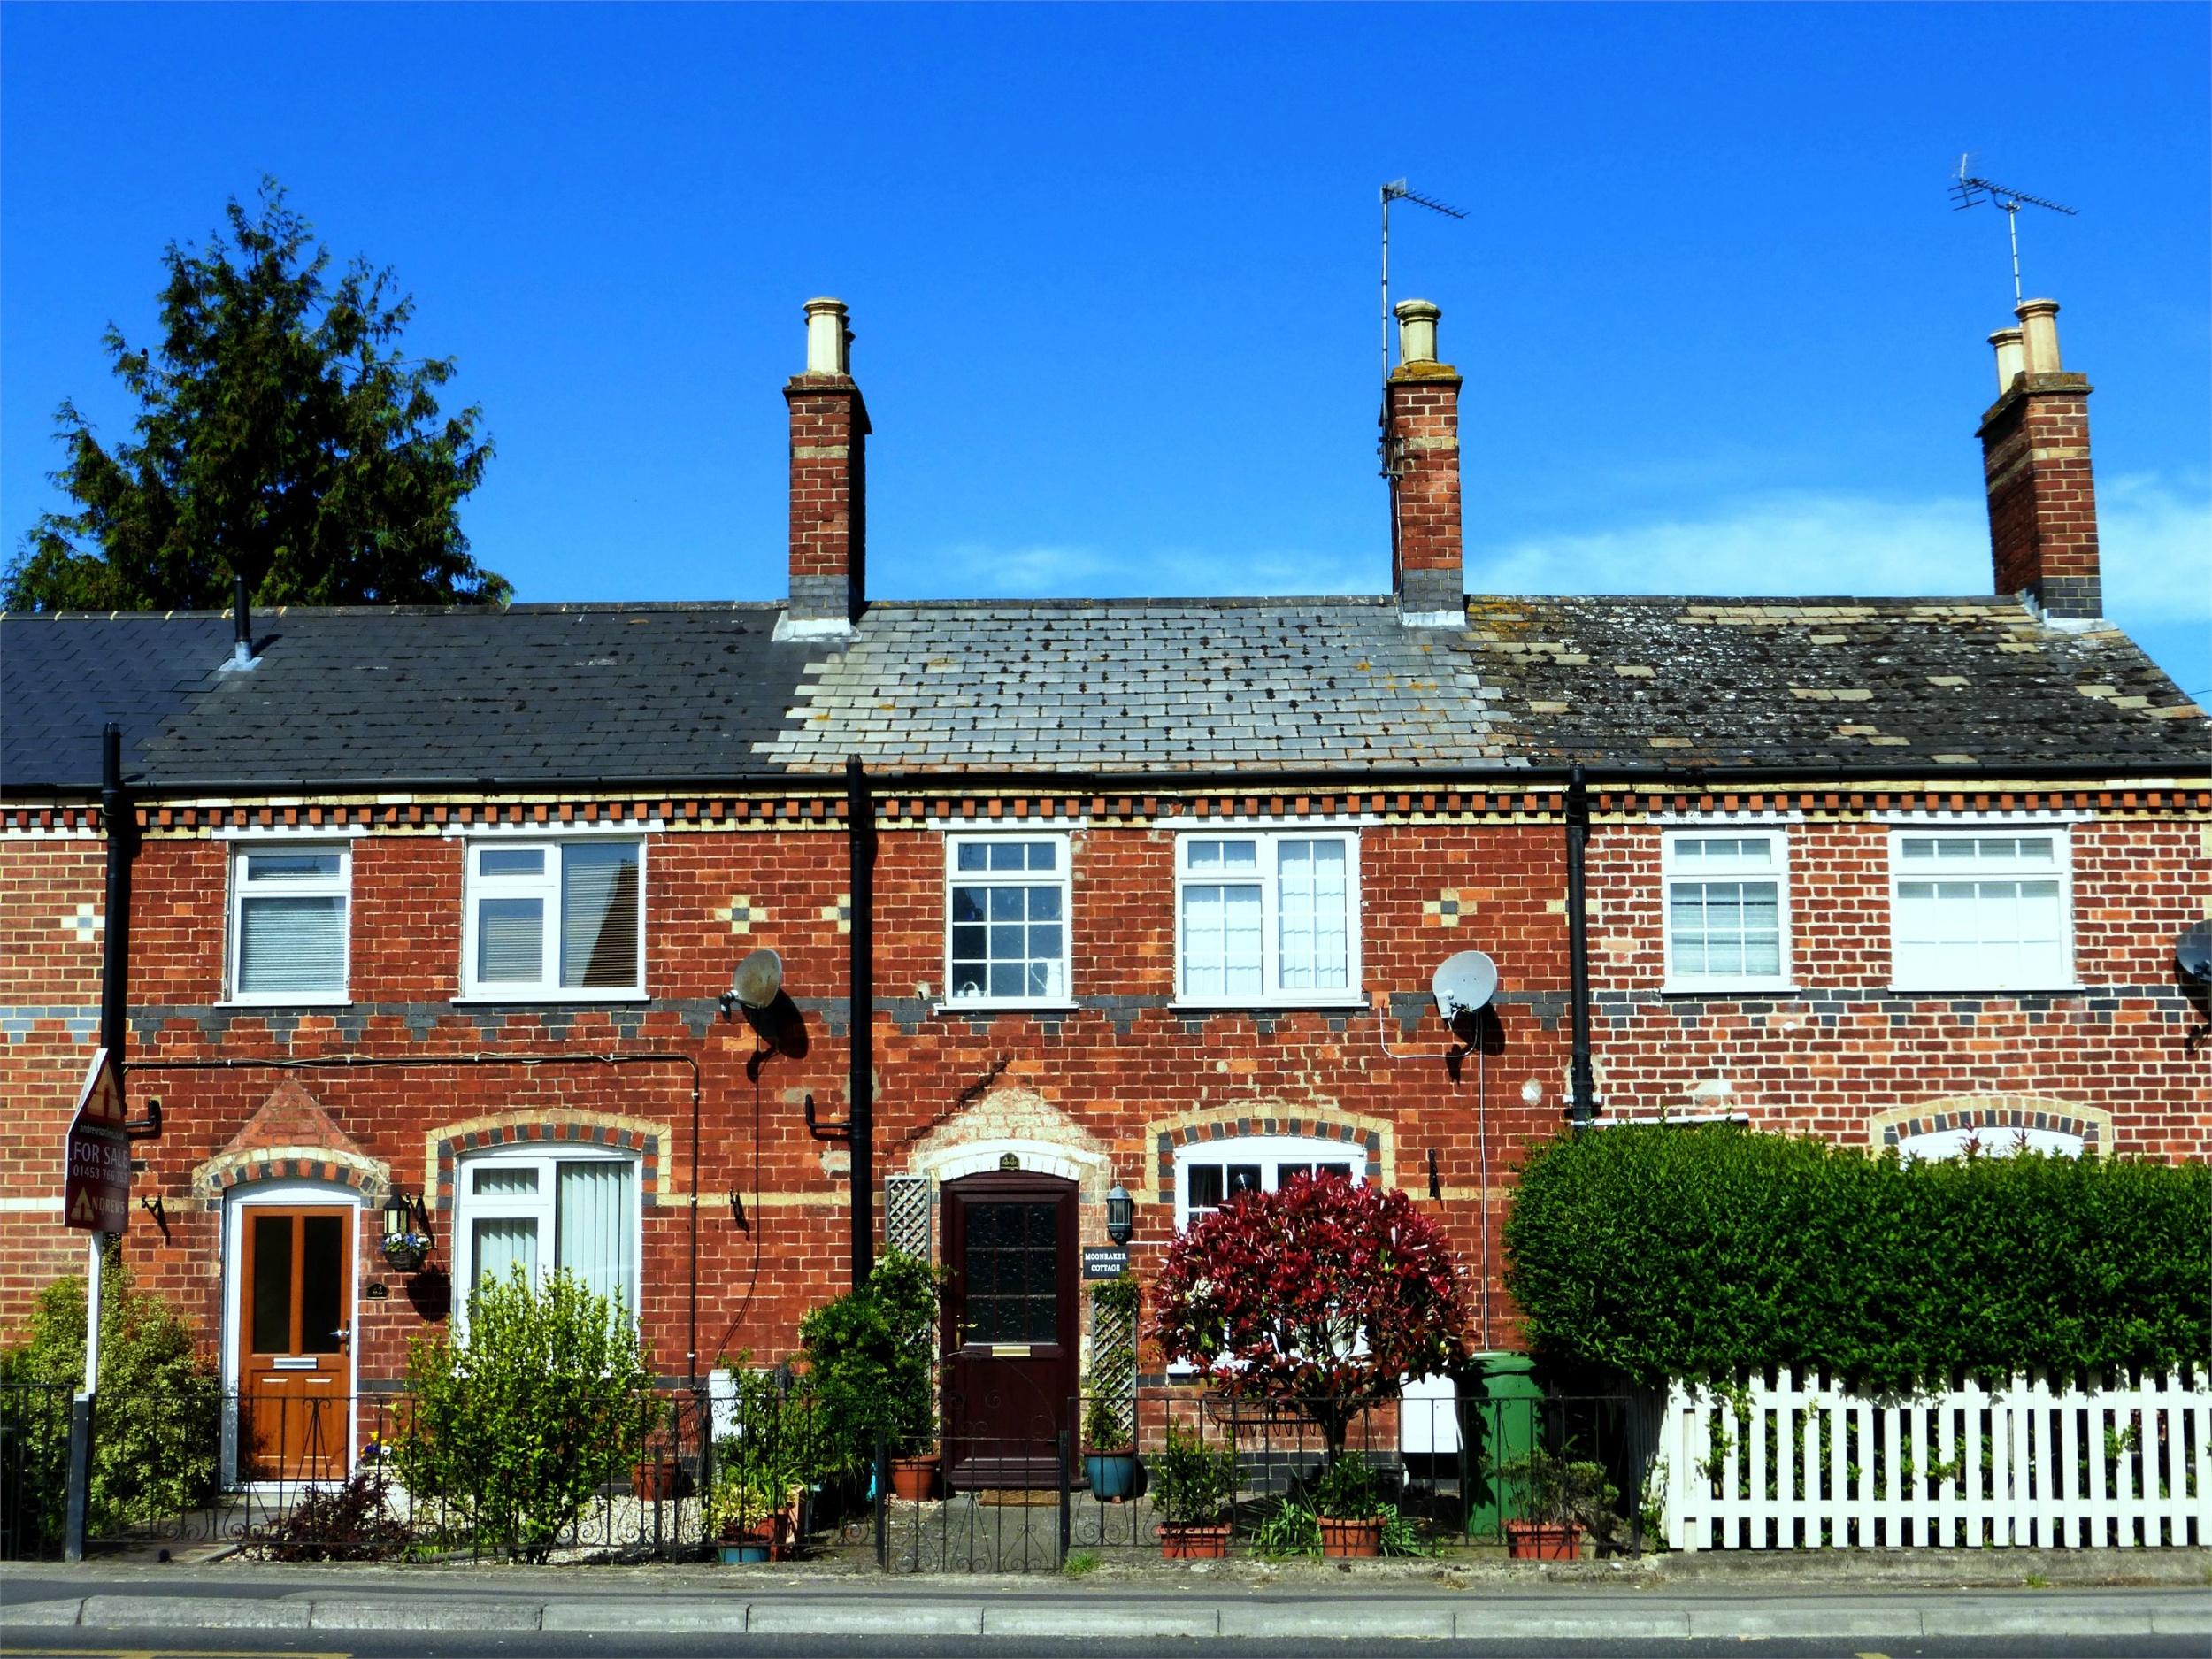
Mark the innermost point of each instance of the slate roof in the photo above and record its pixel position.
(63, 679)
(539, 694)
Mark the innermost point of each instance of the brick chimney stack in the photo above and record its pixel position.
(829, 483)
(1420, 422)
(2035, 459)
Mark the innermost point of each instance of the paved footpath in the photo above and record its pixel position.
(1308, 1604)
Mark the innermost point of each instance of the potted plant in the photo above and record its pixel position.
(1559, 1498)
(1348, 1503)
(869, 1355)
(745, 1514)
(1109, 1456)
(407, 1252)
(659, 1473)
(765, 1470)
(1190, 1485)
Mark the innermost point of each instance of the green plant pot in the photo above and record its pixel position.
(1112, 1475)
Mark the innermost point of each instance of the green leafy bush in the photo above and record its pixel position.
(544, 1401)
(1190, 1481)
(868, 1357)
(1655, 1252)
(157, 1434)
(1347, 1490)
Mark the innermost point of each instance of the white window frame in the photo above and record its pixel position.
(2013, 979)
(1270, 1152)
(1063, 876)
(545, 1157)
(1271, 994)
(546, 886)
(340, 887)
(1670, 870)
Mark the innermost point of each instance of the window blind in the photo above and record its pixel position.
(292, 944)
(599, 914)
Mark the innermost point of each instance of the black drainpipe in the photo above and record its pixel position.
(1584, 1104)
(115, 822)
(860, 828)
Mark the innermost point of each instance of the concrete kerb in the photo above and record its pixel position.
(1301, 1617)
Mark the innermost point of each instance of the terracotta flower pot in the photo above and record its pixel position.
(1182, 1541)
(657, 1482)
(1535, 1540)
(1356, 1541)
(914, 1479)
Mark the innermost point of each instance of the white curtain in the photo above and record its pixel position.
(594, 1208)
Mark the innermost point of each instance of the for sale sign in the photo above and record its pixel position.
(97, 1160)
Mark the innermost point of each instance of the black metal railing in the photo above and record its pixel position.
(753, 1469)
(1449, 1472)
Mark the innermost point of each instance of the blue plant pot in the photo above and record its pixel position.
(1113, 1475)
(731, 1554)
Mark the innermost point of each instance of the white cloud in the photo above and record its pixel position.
(2156, 542)
(971, 568)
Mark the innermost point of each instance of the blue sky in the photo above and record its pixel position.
(1112, 273)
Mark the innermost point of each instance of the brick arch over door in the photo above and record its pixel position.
(214, 1179)
(650, 1141)
(1222, 1123)
(2091, 1126)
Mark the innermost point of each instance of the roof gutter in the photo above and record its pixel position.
(1248, 779)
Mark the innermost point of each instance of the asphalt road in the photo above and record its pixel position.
(143, 1644)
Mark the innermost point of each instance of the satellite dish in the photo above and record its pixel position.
(2193, 952)
(758, 978)
(1464, 983)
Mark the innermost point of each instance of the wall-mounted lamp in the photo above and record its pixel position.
(406, 1232)
(1121, 1214)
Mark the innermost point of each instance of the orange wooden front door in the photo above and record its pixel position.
(294, 1333)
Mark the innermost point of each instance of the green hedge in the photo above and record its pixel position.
(1647, 1253)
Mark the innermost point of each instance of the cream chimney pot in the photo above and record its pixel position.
(1416, 330)
(2012, 357)
(827, 350)
(2038, 328)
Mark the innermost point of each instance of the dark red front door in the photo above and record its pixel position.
(1010, 1331)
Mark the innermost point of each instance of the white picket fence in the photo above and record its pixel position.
(1780, 1463)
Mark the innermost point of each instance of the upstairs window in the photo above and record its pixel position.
(554, 919)
(1980, 911)
(287, 923)
(1006, 907)
(1268, 918)
(1727, 910)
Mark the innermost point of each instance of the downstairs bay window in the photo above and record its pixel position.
(576, 1211)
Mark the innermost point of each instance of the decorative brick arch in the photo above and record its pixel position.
(2091, 1124)
(290, 1138)
(1374, 1135)
(650, 1140)
(212, 1180)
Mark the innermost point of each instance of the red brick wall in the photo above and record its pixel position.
(2042, 496)
(829, 430)
(1832, 1058)
(1423, 415)
(49, 1004)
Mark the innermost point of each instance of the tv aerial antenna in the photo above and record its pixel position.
(1396, 191)
(1969, 189)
